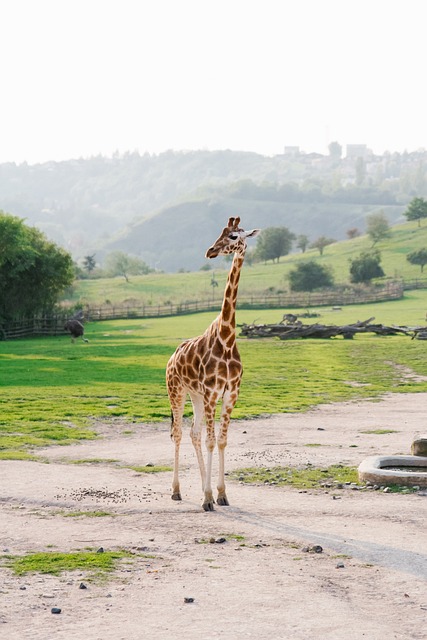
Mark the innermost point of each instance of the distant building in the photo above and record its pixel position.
(357, 151)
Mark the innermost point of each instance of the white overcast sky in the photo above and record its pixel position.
(82, 77)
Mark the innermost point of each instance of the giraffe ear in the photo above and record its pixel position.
(253, 233)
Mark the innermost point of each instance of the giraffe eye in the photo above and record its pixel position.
(233, 236)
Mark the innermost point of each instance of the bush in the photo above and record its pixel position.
(366, 267)
(309, 276)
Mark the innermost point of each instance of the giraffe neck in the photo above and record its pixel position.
(227, 317)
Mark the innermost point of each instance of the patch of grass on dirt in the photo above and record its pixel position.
(379, 432)
(233, 536)
(37, 433)
(308, 477)
(397, 488)
(150, 468)
(56, 563)
(18, 455)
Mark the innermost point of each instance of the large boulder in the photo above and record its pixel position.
(419, 446)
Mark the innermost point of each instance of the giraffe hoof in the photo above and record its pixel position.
(223, 501)
(208, 506)
(176, 496)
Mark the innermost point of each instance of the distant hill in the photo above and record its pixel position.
(178, 237)
(80, 203)
(165, 207)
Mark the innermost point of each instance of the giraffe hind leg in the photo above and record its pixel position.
(196, 433)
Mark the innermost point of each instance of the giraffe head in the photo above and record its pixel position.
(231, 240)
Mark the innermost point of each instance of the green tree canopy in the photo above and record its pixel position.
(302, 242)
(417, 209)
(118, 263)
(89, 263)
(308, 276)
(378, 227)
(321, 243)
(365, 267)
(418, 257)
(33, 270)
(274, 242)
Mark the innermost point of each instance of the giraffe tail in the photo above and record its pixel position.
(172, 421)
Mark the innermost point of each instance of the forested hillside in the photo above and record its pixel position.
(167, 208)
(179, 236)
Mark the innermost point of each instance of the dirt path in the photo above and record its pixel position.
(261, 582)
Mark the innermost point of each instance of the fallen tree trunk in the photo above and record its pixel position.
(291, 330)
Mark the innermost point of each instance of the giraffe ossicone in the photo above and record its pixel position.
(208, 369)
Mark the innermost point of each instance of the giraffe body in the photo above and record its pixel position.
(208, 368)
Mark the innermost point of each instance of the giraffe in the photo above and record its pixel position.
(208, 368)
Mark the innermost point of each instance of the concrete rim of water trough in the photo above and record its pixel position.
(371, 470)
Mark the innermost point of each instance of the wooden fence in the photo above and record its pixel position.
(392, 291)
(52, 326)
(415, 283)
(46, 326)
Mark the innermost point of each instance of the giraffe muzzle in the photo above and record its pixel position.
(211, 253)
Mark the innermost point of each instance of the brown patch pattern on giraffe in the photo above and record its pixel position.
(208, 368)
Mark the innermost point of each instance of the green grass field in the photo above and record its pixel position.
(52, 390)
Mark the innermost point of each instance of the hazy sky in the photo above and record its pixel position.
(82, 77)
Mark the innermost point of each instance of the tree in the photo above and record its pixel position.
(365, 267)
(418, 257)
(353, 233)
(274, 242)
(308, 276)
(378, 227)
(89, 263)
(302, 242)
(118, 263)
(33, 271)
(321, 243)
(417, 209)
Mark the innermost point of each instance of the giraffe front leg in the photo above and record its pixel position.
(208, 502)
(222, 499)
(228, 402)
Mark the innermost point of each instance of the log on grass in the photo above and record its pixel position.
(291, 330)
